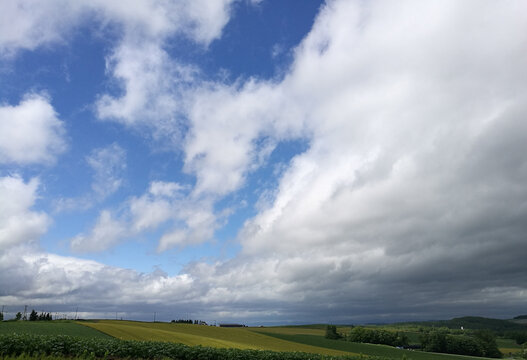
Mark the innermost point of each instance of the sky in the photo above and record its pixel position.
(264, 161)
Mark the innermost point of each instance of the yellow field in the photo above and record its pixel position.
(241, 338)
(290, 330)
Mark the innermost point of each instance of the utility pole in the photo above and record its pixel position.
(154, 316)
(25, 313)
(76, 311)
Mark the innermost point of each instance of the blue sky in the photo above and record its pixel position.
(263, 161)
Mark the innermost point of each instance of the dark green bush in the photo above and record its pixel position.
(377, 336)
(482, 343)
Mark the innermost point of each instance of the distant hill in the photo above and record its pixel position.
(521, 317)
(475, 322)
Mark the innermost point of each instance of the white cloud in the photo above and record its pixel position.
(18, 223)
(192, 220)
(222, 145)
(27, 24)
(42, 23)
(106, 233)
(52, 279)
(400, 104)
(151, 81)
(107, 163)
(30, 132)
(410, 196)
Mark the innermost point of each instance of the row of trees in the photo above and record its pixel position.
(371, 336)
(195, 322)
(519, 336)
(443, 340)
(477, 343)
(33, 316)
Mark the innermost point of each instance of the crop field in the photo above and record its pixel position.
(304, 339)
(240, 338)
(507, 346)
(38, 346)
(37, 357)
(50, 328)
(286, 330)
(369, 349)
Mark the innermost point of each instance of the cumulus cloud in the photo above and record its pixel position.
(106, 233)
(152, 82)
(149, 80)
(403, 107)
(19, 224)
(408, 202)
(191, 220)
(38, 23)
(30, 132)
(43, 23)
(51, 280)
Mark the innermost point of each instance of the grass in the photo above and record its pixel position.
(368, 349)
(240, 338)
(57, 327)
(289, 330)
(507, 346)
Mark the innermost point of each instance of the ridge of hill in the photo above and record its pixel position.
(473, 322)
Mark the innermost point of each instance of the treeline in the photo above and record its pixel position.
(96, 348)
(498, 326)
(476, 343)
(519, 336)
(372, 336)
(34, 316)
(189, 321)
(443, 340)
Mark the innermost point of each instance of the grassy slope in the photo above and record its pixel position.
(49, 328)
(366, 349)
(241, 338)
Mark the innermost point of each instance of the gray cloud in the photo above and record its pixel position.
(409, 203)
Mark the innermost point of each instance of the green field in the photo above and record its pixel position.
(309, 339)
(241, 338)
(368, 349)
(49, 328)
(508, 346)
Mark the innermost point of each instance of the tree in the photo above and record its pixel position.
(331, 332)
(1, 316)
(33, 316)
(18, 316)
(488, 342)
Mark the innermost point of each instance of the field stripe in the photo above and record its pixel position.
(241, 338)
